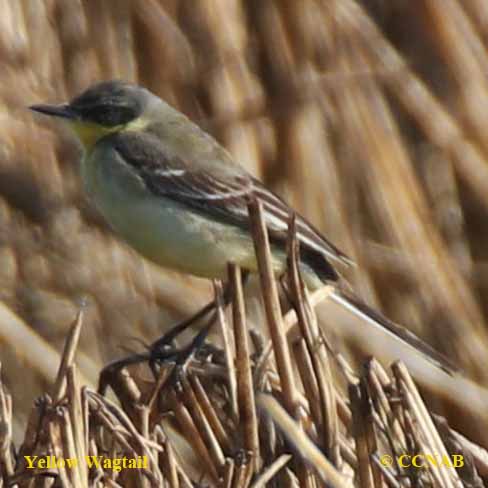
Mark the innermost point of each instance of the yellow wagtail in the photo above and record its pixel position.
(179, 198)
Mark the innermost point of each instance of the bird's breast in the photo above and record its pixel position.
(160, 229)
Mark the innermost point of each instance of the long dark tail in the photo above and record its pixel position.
(363, 311)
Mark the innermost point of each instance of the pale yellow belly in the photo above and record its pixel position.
(160, 229)
(171, 236)
(166, 232)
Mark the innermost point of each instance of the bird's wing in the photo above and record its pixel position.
(223, 196)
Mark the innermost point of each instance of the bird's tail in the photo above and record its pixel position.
(364, 312)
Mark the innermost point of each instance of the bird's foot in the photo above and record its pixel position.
(162, 352)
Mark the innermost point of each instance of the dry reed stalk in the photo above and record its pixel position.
(68, 355)
(164, 375)
(185, 421)
(79, 424)
(271, 471)
(478, 453)
(360, 414)
(301, 442)
(309, 382)
(293, 89)
(228, 473)
(229, 348)
(190, 400)
(16, 331)
(210, 413)
(372, 122)
(121, 383)
(382, 405)
(167, 460)
(465, 54)
(389, 476)
(6, 447)
(245, 388)
(414, 403)
(272, 305)
(470, 472)
(418, 99)
(57, 446)
(375, 415)
(274, 320)
(318, 355)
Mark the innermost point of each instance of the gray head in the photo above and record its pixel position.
(107, 104)
(102, 109)
(110, 103)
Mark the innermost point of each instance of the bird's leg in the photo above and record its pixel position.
(182, 357)
(163, 349)
(167, 339)
(108, 372)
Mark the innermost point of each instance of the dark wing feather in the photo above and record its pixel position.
(223, 196)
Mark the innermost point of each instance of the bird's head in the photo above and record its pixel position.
(100, 110)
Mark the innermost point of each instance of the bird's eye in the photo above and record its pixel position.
(108, 104)
(109, 115)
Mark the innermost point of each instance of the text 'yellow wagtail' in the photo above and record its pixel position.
(179, 198)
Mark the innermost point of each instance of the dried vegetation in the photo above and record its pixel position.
(369, 118)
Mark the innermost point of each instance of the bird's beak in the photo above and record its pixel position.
(63, 111)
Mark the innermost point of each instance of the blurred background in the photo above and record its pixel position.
(370, 117)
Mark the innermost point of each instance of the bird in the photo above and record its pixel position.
(179, 198)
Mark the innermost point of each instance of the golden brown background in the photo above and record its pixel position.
(370, 117)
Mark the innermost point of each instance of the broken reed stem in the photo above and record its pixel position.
(67, 357)
(164, 375)
(70, 450)
(373, 371)
(268, 474)
(413, 401)
(228, 348)
(245, 387)
(172, 469)
(86, 412)
(228, 473)
(272, 305)
(290, 321)
(168, 462)
(307, 449)
(193, 436)
(442, 129)
(202, 424)
(327, 422)
(79, 427)
(55, 438)
(361, 417)
(210, 413)
(309, 382)
(388, 474)
(369, 428)
(242, 471)
(275, 323)
(6, 447)
(478, 453)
